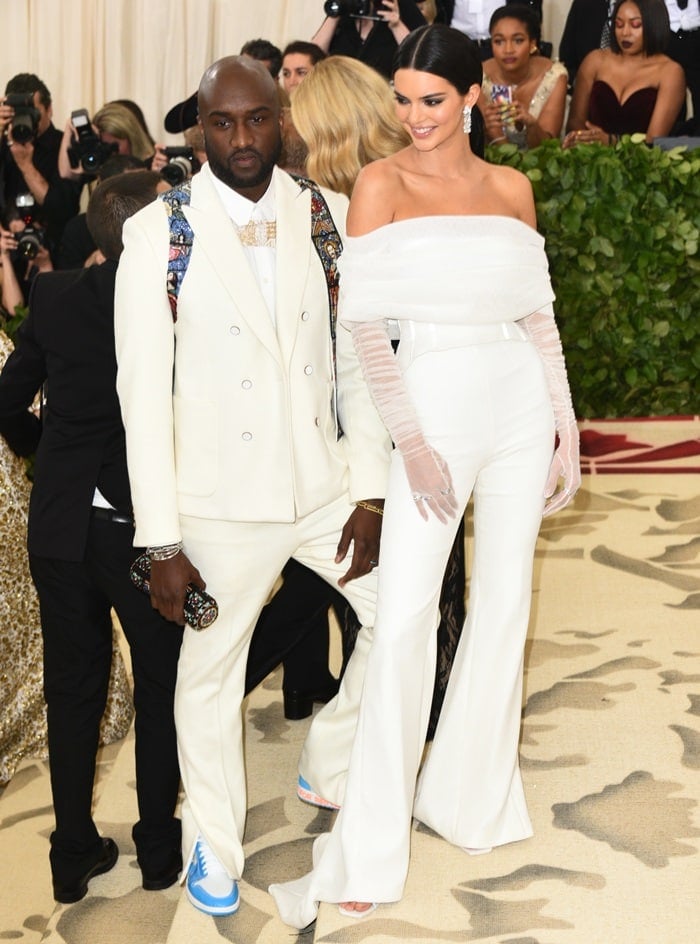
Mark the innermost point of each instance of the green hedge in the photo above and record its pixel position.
(622, 227)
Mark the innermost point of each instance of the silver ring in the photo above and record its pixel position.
(445, 491)
(373, 563)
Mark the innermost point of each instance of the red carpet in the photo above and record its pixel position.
(641, 445)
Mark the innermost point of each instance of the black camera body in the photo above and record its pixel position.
(360, 9)
(181, 165)
(31, 239)
(25, 121)
(87, 153)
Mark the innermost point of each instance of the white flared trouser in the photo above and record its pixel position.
(240, 563)
(486, 410)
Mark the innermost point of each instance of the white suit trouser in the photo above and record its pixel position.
(486, 410)
(240, 563)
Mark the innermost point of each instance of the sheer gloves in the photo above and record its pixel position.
(542, 330)
(428, 475)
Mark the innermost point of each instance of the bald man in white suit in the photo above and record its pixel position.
(235, 459)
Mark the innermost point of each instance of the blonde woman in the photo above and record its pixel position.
(115, 124)
(344, 111)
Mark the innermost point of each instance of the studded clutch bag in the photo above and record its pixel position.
(201, 609)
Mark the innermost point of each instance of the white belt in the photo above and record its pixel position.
(419, 338)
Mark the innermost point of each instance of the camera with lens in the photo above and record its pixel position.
(87, 152)
(26, 117)
(31, 239)
(181, 164)
(364, 9)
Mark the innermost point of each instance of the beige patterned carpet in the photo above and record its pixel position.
(610, 756)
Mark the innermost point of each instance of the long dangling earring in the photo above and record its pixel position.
(467, 119)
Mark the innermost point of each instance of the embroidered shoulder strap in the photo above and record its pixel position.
(328, 245)
(326, 240)
(181, 238)
(324, 236)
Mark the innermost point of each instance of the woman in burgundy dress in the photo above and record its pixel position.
(632, 87)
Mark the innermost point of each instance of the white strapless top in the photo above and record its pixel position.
(445, 270)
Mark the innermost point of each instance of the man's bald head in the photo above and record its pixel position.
(239, 112)
(234, 69)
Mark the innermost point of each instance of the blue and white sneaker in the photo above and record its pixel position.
(209, 887)
(306, 793)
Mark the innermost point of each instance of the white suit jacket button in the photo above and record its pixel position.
(234, 329)
(247, 384)
(304, 316)
(308, 369)
(317, 421)
(247, 437)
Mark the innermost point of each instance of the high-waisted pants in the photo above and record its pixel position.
(484, 406)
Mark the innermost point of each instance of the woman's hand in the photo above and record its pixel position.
(591, 134)
(566, 465)
(70, 136)
(430, 482)
(520, 116)
(389, 12)
(42, 261)
(160, 159)
(493, 121)
(8, 244)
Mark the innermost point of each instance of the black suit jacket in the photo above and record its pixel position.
(582, 32)
(379, 47)
(67, 341)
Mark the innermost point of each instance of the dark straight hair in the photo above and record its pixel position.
(521, 12)
(449, 54)
(656, 29)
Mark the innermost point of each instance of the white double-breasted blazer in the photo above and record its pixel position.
(226, 416)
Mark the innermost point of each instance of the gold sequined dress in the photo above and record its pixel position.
(22, 706)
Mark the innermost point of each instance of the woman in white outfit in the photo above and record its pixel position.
(446, 244)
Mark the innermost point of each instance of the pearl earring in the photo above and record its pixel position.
(467, 119)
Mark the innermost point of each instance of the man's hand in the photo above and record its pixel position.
(7, 113)
(169, 580)
(23, 154)
(363, 528)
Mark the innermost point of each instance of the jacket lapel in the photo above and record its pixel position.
(293, 209)
(215, 236)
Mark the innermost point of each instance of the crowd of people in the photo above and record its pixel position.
(244, 386)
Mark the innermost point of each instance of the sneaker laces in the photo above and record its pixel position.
(208, 862)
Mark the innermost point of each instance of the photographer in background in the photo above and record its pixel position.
(114, 129)
(23, 253)
(368, 30)
(29, 146)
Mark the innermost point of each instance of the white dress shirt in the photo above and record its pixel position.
(687, 20)
(472, 17)
(261, 258)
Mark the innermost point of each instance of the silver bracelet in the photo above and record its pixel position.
(164, 551)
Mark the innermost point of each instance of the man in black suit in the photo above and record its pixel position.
(80, 550)
(583, 32)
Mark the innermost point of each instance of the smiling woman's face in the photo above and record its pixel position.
(428, 106)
